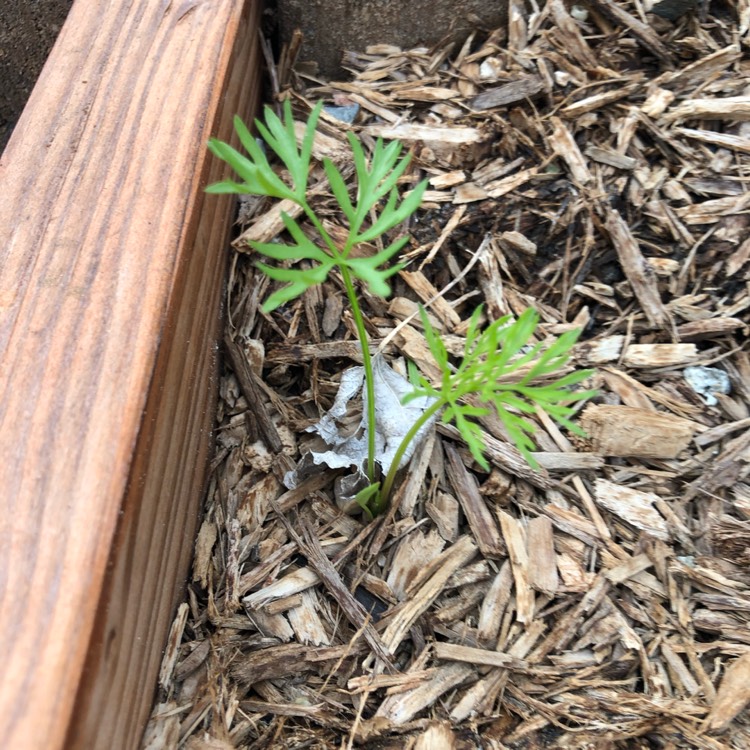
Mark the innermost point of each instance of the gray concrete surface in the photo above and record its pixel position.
(28, 29)
(331, 26)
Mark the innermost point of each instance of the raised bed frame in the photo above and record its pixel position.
(112, 268)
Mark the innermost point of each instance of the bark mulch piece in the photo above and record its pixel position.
(594, 164)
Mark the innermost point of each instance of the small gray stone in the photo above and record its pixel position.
(706, 381)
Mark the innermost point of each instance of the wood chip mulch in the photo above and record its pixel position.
(592, 162)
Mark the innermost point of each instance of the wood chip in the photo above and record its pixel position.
(634, 265)
(510, 93)
(474, 506)
(541, 554)
(733, 695)
(515, 539)
(629, 431)
(632, 505)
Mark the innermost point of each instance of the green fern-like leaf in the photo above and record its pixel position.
(490, 356)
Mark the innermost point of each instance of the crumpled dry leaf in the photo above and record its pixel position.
(393, 420)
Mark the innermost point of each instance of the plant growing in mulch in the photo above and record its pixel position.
(465, 390)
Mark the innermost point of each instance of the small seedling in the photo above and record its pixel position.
(489, 356)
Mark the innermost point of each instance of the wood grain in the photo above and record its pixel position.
(112, 265)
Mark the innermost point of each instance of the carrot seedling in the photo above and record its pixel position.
(468, 390)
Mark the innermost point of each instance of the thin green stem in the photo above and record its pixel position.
(359, 322)
(364, 341)
(385, 490)
(318, 224)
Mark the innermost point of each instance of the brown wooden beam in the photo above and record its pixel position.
(112, 264)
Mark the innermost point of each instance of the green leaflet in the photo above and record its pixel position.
(376, 180)
(492, 354)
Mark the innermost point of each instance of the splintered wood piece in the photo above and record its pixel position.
(575, 45)
(709, 212)
(307, 626)
(699, 330)
(450, 225)
(597, 101)
(515, 538)
(247, 380)
(424, 289)
(324, 146)
(517, 241)
(424, 591)
(727, 140)
(444, 135)
(411, 489)
(456, 608)
(701, 70)
(517, 26)
(448, 179)
(660, 355)
(494, 170)
(721, 431)
(444, 511)
(331, 579)
(271, 663)
(733, 695)
(642, 32)
(634, 506)
(573, 523)
(480, 696)
(402, 681)
(171, 652)
(414, 551)
(412, 343)
(629, 568)
(567, 625)
(280, 709)
(723, 108)
(657, 102)
(469, 192)
(541, 552)
(678, 669)
(280, 606)
(297, 353)
(273, 626)
(287, 659)
(562, 142)
(730, 466)
(268, 226)
(505, 185)
(509, 93)
(113, 261)
(494, 604)
(480, 519)
(479, 656)
(605, 156)
(636, 268)
(491, 283)
(401, 708)
(438, 736)
(292, 583)
(599, 351)
(570, 461)
(629, 431)
(507, 457)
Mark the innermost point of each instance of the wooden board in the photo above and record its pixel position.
(112, 264)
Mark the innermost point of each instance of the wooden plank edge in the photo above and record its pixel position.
(133, 436)
(154, 542)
